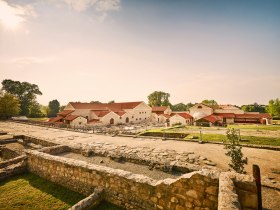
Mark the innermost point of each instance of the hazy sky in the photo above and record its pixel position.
(84, 50)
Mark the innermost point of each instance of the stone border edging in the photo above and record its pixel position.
(89, 202)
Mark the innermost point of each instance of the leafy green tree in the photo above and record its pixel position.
(61, 108)
(54, 108)
(254, 108)
(111, 102)
(24, 91)
(95, 102)
(212, 103)
(159, 98)
(179, 107)
(233, 148)
(273, 107)
(35, 110)
(45, 110)
(9, 105)
(189, 105)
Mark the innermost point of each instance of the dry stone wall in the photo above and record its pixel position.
(123, 188)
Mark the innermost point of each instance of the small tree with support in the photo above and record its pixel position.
(233, 148)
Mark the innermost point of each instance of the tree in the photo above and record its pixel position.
(61, 108)
(111, 102)
(212, 103)
(159, 98)
(273, 107)
(24, 91)
(254, 108)
(54, 108)
(35, 110)
(233, 148)
(179, 107)
(95, 102)
(9, 105)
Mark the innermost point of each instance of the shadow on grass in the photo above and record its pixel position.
(67, 196)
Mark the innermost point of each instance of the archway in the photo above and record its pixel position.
(127, 120)
(111, 121)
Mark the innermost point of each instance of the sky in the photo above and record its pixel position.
(122, 50)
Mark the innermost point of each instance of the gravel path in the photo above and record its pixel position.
(127, 166)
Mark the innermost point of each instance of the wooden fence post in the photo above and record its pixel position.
(257, 177)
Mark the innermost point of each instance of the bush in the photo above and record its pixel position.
(233, 148)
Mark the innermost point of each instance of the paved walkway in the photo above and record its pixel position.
(266, 159)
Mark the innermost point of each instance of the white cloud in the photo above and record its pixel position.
(82, 5)
(107, 5)
(11, 16)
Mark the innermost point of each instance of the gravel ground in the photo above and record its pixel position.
(126, 166)
(271, 199)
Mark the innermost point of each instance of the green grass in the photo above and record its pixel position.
(256, 127)
(31, 192)
(257, 140)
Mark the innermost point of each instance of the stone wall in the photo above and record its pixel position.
(89, 202)
(123, 188)
(30, 139)
(6, 153)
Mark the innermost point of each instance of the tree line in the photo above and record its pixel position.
(20, 98)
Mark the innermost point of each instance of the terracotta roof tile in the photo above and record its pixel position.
(212, 118)
(54, 119)
(253, 116)
(159, 108)
(65, 112)
(71, 117)
(226, 115)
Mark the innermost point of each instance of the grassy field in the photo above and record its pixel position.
(31, 192)
(193, 131)
(256, 127)
(272, 141)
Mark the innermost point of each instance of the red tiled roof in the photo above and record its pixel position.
(212, 118)
(112, 106)
(253, 116)
(65, 112)
(226, 115)
(159, 108)
(103, 113)
(185, 115)
(182, 114)
(54, 119)
(120, 113)
(166, 116)
(71, 117)
(94, 121)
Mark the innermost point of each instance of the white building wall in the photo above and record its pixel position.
(106, 119)
(140, 113)
(204, 109)
(79, 121)
(168, 111)
(177, 119)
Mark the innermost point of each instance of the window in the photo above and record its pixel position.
(145, 118)
(132, 116)
(136, 118)
(199, 107)
(120, 117)
(80, 123)
(139, 112)
(140, 118)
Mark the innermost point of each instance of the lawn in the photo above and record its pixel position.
(31, 192)
(272, 141)
(256, 127)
